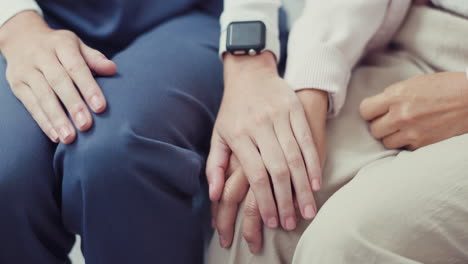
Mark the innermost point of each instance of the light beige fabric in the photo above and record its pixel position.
(378, 205)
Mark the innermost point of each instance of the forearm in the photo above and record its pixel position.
(315, 104)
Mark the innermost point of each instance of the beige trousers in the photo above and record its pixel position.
(378, 205)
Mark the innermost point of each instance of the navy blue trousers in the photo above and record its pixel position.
(128, 186)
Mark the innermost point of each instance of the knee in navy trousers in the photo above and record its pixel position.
(127, 186)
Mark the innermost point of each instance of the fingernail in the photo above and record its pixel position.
(210, 188)
(80, 119)
(54, 136)
(290, 223)
(272, 222)
(222, 241)
(64, 133)
(309, 211)
(315, 185)
(211, 192)
(251, 247)
(96, 103)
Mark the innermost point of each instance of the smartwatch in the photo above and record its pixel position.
(245, 38)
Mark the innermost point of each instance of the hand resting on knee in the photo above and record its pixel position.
(47, 68)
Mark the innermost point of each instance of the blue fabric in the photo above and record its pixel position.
(112, 24)
(129, 184)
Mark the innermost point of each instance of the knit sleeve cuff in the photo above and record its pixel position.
(10, 9)
(322, 67)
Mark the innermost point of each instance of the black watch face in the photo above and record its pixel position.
(245, 36)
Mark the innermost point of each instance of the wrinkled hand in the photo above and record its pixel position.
(236, 188)
(47, 67)
(420, 111)
(264, 124)
(224, 212)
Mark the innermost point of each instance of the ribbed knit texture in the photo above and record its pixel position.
(328, 40)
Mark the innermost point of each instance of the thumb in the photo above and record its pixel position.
(218, 160)
(97, 61)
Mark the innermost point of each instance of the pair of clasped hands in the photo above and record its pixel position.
(269, 142)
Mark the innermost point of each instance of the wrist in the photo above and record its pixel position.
(21, 25)
(315, 102)
(264, 63)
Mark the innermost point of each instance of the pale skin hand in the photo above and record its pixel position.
(236, 189)
(47, 67)
(423, 110)
(263, 123)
